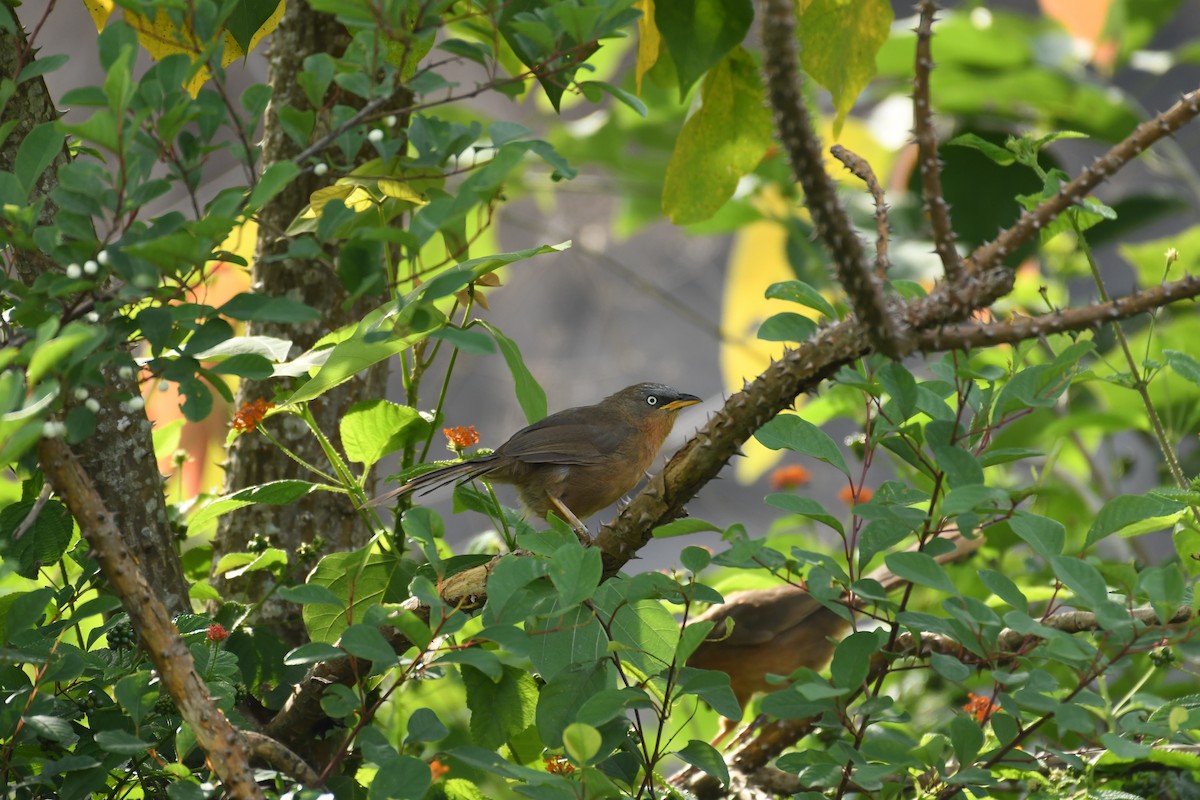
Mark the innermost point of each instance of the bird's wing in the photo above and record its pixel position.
(566, 438)
(759, 615)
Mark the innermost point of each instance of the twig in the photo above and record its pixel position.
(222, 743)
(266, 749)
(931, 169)
(991, 254)
(859, 167)
(803, 146)
(967, 335)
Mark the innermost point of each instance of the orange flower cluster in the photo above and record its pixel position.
(437, 769)
(461, 437)
(847, 496)
(249, 415)
(558, 765)
(789, 477)
(979, 707)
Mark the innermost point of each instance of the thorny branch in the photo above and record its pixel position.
(931, 169)
(1030, 222)
(859, 167)
(803, 146)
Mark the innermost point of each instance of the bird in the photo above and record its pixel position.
(574, 462)
(781, 629)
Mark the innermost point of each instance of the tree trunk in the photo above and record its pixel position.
(253, 459)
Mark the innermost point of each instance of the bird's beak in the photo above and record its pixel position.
(683, 401)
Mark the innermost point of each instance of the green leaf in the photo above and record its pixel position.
(1002, 586)
(121, 742)
(373, 340)
(582, 742)
(37, 151)
(365, 641)
(791, 432)
(530, 394)
(1127, 510)
(42, 544)
(787, 326)
(921, 569)
(900, 385)
(359, 579)
(276, 493)
(1001, 155)
(244, 365)
(499, 709)
(1046, 536)
(312, 653)
(704, 757)
(273, 181)
(838, 46)
(468, 341)
(1081, 578)
(699, 33)
(575, 572)
(966, 737)
(682, 527)
(372, 429)
(262, 308)
(449, 281)
(246, 19)
(235, 565)
(723, 141)
(593, 90)
(424, 726)
(852, 658)
(136, 695)
(1184, 365)
(805, 507)
(44, 65)
(74, 340)
(802, 293)
(309, 593)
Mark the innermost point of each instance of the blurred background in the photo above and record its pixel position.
(636, 298)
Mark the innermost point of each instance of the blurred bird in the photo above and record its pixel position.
(575, 462)
(779, 630)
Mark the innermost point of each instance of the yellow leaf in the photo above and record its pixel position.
(100, 11)
(318, 199)
(360, 200)
(161, 37)
(401, 191)
(649, 40)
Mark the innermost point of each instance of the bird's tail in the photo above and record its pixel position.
(436, 479)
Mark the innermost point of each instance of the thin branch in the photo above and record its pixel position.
(1090, 317)
(266, 749)
(803, 146)
(859, 167)
(222, 743)
(1165, 124)
(927, 146)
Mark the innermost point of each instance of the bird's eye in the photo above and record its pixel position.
(652, 400)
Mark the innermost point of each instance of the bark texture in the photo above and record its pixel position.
(253, 459)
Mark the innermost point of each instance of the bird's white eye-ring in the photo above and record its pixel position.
(652, 400)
